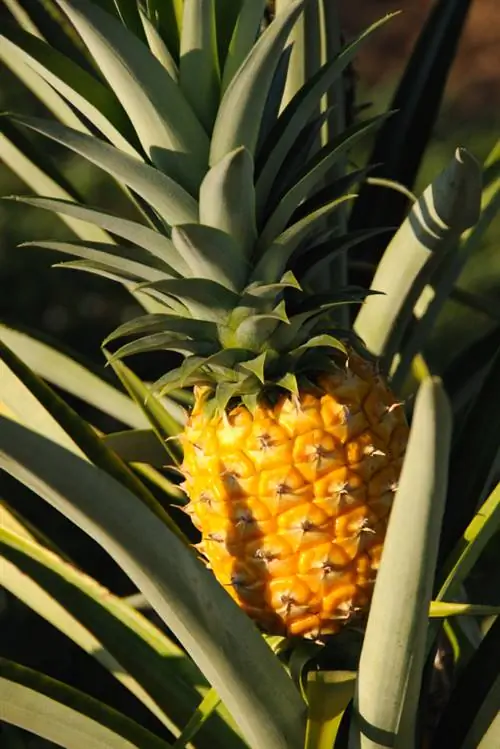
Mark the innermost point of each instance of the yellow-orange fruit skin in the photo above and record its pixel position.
(293, 500)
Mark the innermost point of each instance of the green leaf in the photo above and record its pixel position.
(244, 34)
(163, 424)
(205, 300)
(171, 201)
(310, 176)
(225, 644)
(297, 114)
(165, 123)
(444, 609)
(417, 101)
(308, 260)
(48, 96)
(51, 416)
(137, 446)
(328, 695)
(128, 11)
(64, 372)
(164, 342)
(238, 119)
(275, 258)
(198, 719)
(159, 323)
(158, 47)
(132, 261)
(481, 529)
(167, 16)
(199, 77)
(149, 240)
(82, 90)
(227, 199)
(42, 179)
(135, 651)
(387, 698)
(203, 247)
(65, 716)
(448, 206)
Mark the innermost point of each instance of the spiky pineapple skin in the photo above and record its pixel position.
(293, 501)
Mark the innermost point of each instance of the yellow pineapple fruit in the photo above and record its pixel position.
(293, 500)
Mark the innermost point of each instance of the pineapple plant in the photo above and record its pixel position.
(293, 450)
(231, 157)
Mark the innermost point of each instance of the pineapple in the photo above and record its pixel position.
(292, 498)
(293, 449)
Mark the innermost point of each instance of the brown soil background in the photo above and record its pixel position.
(474, 83)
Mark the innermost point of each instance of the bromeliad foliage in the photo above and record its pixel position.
(226, 127)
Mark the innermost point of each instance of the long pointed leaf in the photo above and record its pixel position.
(165, 124)
(64, 372)
(387, 698)
(238, 117)
(173, 203)
(225, 645)
(64, 715)
(199, 76)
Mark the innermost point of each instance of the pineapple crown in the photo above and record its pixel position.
(232, 177)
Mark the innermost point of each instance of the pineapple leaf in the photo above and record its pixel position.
(167, 17)
(239, 115)
(205, 300)
(227, 200)
(297, 114)
(301, 154)
(62, 714)
(252, 683)
(442, 287)
(304, 262)
(168, 341)
(82, 90)
(49, 415)
(199, 77)
(223, 394)
(162, 323)
(132, 261)
(137, 446)
(15, 60)
(311, 175)
(149, 240)
(168, 129)
(163, 424)
(135, 651)
(41, 178)
(289, 382)
(158, 47)
(387, 699)
(273, 262)
(127, 279)
(202, 248)
(128, 11)
(319, 341)
(245, 32)
(171, 201)
(447, 207)
(73, 377)
(257, 366)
